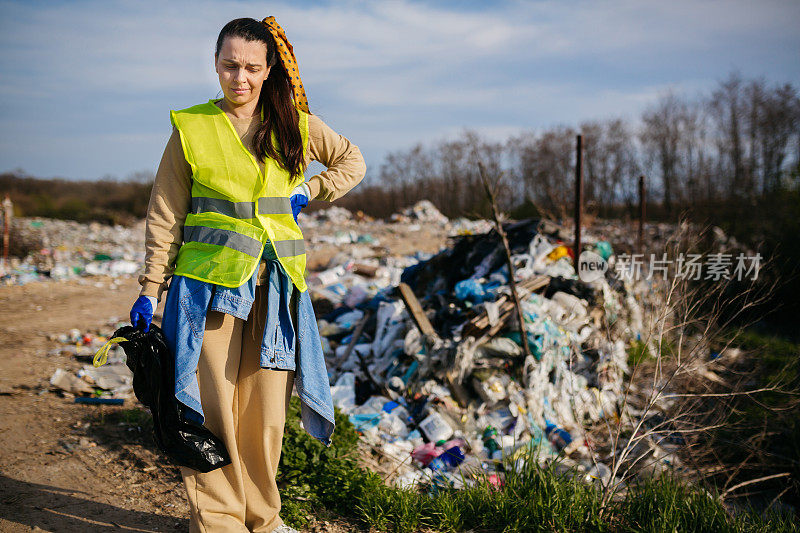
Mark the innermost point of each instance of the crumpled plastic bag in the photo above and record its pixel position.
(183, 441)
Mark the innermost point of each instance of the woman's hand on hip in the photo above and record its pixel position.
(299, 198)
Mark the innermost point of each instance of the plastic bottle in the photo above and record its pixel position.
(471, 290)
(557, 436)
(447, 461)
(490, 439)
(438, 464)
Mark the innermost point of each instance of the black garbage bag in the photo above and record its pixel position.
(184, 442)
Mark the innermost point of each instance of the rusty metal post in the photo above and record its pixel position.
(7, 215)
(578, 200)
(6, 240)
(642, 204)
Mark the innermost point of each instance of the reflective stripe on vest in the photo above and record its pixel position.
(223, 237)
(239, 242)
(278, 205)
(201, 204)
(267, 205)
(290, 248)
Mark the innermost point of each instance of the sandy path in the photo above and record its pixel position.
(60, 468)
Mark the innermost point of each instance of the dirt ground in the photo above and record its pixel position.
(68, 467)
(63, 468)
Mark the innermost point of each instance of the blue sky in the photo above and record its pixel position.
(85, 87)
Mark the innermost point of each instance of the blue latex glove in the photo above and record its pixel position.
(299, 198)
(142, 312)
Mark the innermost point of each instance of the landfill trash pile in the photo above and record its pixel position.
(332, 215)
(422, 339)
(660, 236)
(49, 249)
(433, 372)
(423, 211)
(465, 226)
(44, 249)
(360, 238)
(111, 383)
(420, 228)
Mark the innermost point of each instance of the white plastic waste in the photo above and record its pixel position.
(436, 428)
(344, 392)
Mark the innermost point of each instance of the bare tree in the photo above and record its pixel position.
(778, 122)
(741, 140)
(545, 165)
(453, 170)
(727, 109)
(609, 160)
(661, 136)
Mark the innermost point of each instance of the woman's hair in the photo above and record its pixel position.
(280, 115)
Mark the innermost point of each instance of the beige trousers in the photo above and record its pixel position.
(245, 405)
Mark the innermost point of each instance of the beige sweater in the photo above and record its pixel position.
(171, 197)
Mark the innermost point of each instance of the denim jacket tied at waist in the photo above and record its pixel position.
(282, 347)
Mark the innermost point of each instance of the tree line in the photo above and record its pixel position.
(735, 144)
(739, 142)
(108, 200)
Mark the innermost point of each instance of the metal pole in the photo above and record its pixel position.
(578, 200)
(642, 204)
(7, 212)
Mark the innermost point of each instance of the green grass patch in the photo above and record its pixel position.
(668, 504)
(638, 352)
(135, 417)
(769, 361)
(327, 482)
(778, 359)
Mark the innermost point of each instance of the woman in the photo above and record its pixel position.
(238, 315)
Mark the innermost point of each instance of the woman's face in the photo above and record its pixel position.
(242, 69)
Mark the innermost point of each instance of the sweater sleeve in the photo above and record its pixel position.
(169, 203)
(344, 162)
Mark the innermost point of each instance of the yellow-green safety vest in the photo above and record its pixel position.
(235, 208)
